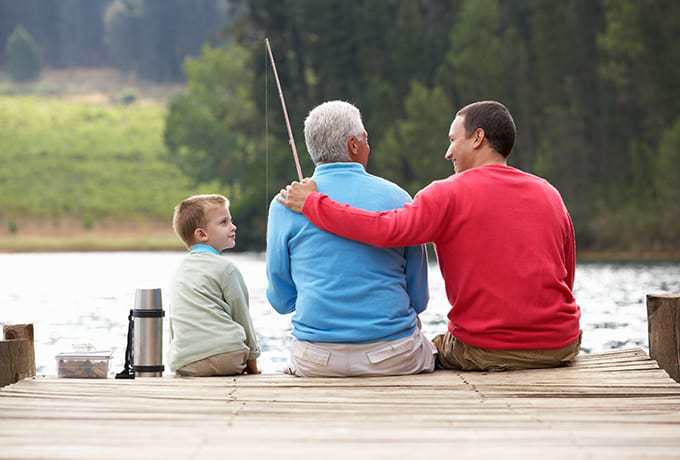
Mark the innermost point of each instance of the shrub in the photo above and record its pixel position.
(23, 56)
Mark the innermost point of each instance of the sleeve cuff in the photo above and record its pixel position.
(307, 205)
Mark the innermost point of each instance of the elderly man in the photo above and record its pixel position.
(355, 305)
(505, 245)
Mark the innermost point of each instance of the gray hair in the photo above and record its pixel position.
(327, 128)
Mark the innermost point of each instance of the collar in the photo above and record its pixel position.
(327, 168)
(200, 247)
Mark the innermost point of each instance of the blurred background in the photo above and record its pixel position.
(112, 111)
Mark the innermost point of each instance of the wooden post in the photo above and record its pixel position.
(17, 353)
(663, 321)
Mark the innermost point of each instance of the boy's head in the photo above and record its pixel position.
(205, 219)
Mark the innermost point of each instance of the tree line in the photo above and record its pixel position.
(593, 86)
(148, 37)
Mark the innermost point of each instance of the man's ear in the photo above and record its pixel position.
(478, 137)
(352, 146)
(200, 235)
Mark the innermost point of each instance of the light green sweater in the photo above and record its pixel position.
(209, 311)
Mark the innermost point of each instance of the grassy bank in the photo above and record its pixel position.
(85, 162)
(628, 256)
(166, 241)
(90, 243)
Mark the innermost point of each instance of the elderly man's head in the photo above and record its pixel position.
(334, 132)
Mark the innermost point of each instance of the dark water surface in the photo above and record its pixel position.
(80, 301)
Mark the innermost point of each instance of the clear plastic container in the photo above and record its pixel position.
(83, 365)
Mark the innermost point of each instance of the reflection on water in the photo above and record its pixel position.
(80, 300)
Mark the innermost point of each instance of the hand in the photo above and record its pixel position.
(251, 367)
(295, 194)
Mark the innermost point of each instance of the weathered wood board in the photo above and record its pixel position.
(17, 353)
(609, 405)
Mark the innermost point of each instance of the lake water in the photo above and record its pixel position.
(78, 301)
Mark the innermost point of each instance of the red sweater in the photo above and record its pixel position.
(506, 250)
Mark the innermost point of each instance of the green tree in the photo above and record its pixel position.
(667, 180)
(211, 128)
(412, 154)
(23, 56)
(643, 61)
(487, 59)
(122, 24)
(152, 37)
(215, 134)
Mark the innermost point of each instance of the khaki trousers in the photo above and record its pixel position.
(454, 354)
(410, 355)
(231, 363)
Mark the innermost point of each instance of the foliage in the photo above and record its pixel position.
(152, 37)
(23, 56)
(417, 142)
(592, 84)
(667, 180)
(121, 37)
(210, 128)
(213, 131)
(68, 32)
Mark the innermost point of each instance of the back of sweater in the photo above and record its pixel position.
(209, 310)
(505, 246)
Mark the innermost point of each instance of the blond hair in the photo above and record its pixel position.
(190, 214)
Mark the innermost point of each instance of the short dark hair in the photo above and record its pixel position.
(496, 121)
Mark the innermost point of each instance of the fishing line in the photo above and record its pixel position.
(266, 129)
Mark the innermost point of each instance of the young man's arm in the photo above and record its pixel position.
(419, 222)
(281, 290)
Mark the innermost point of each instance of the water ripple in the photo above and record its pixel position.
(80, 300)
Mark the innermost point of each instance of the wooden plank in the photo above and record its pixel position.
(17, 353)
(616, 405)
(663, 321)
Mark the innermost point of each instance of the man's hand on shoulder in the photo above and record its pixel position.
(295, 194)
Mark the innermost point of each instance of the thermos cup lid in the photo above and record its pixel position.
(148, 299)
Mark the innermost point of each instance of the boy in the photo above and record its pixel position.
(211, 332)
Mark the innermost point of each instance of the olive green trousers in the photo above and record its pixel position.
(454, 354)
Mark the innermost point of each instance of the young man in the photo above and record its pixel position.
(505, 245)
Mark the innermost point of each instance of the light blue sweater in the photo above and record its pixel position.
(342, 291)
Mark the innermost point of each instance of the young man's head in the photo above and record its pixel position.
(480, 131)
(205, 219)
(335, 133)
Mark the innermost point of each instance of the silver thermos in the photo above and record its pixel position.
(148, 316)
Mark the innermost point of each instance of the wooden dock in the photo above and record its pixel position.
(609, 405)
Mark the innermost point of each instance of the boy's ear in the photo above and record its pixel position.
(200, 235)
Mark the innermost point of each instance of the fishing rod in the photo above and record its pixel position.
(291, 141)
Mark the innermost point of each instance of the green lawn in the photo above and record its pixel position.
(74, 160)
